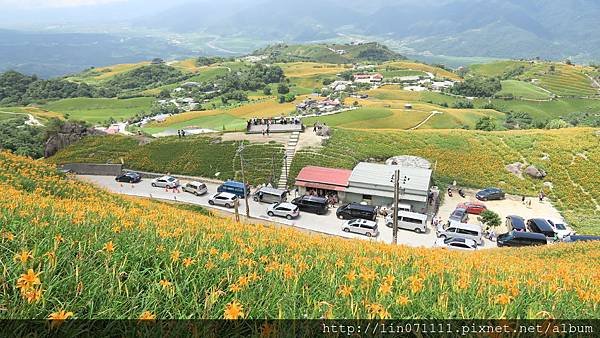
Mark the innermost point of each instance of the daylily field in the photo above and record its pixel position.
(70, 250)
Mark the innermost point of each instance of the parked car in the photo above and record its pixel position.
(165, 182)
(196, 188)
(580, 238)
(356, 210)
(224, 199)
(561, 228)
(474, 208)
(520, 238)
(459, 215)
(270, 195)
(234, 187)
(490, 194)
(313, 204)
(456, 243)
(361, 226)
(389, 209)
(409, 221)
(284, 209)
(461, 230)
(129, 177)
(541, 226)
(516, 223)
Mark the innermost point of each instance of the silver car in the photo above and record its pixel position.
(196, 188)
(361, 226)
(287, 210)
(456, 243)
(165, 182)
(224, 199)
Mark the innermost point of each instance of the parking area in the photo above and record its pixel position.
(512, 205)
(326, 224)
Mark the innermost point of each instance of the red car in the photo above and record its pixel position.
(474, 208)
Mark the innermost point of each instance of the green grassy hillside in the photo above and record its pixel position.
(195, 155)
(330, 53)
(523, 90)
(99, 110)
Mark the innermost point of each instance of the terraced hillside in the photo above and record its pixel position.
(478, 159)
(194, 155)
(558, 78)
(73, 248)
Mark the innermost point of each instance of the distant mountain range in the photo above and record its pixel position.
(551, 29)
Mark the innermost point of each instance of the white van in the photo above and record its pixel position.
(409, 221)
(461, 230)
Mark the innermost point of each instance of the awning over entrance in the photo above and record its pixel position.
(323, 178)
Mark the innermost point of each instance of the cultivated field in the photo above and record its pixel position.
(478, 159)
(70, 247)
(523, 90)
(99, 110)
(230, 119)
(415, 66)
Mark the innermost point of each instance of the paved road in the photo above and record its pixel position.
(328, 224)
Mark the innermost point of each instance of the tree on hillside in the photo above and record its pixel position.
(282, 88)
(267, 90)
(164, 94)
(477, 87)
(485, 123)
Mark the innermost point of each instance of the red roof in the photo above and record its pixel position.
(324, 178)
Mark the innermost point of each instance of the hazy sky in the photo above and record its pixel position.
(53, 3)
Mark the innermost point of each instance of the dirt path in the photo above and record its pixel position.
(32, 120)
(433, 113)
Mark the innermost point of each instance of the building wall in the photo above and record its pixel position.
(419, 207)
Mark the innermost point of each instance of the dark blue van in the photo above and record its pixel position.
(234, 187)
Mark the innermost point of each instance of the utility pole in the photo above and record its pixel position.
(240, 150)
(396, 196)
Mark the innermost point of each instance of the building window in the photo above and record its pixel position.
(367, 198)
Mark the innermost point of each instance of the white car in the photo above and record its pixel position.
(165, 182)
(224, 199)
(361, 226)
(561, 228)
(287, 210)
(456, 243)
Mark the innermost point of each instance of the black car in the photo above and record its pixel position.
(129, 177)
(357, 211)
(490, 194)
(541, 226)
(313, 204)
(580, 238)
(521, 238)
(516, 223)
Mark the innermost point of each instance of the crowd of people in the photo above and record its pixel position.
(332, 197)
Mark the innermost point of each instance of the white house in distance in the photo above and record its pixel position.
(338, 86)
(368, 78)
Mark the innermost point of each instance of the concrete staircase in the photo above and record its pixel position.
(290, 151)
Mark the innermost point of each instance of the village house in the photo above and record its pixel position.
(373, 183)
(441, 85)
(338, 86)
(368, 78)
(369, 183)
